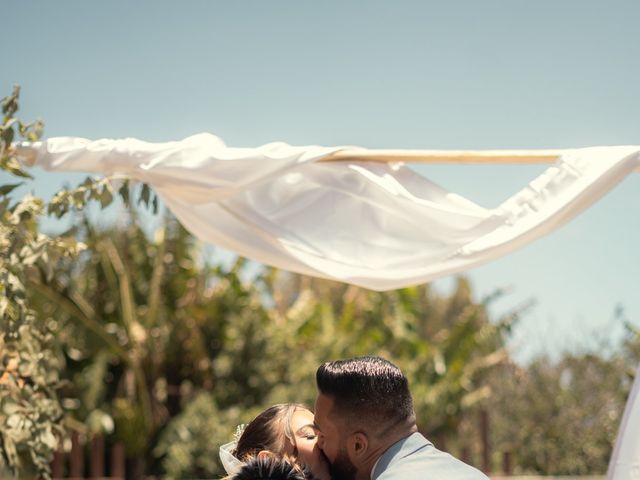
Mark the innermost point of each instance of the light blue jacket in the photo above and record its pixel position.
(415, 458)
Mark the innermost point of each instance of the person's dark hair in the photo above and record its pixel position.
(271, 431)
(272, 467)
(366, 390)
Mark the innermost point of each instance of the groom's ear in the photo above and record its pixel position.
(358, 445)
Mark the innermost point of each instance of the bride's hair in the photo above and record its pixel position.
(272, 467)
(271, 431)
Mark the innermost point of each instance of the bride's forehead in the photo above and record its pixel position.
(302, 416)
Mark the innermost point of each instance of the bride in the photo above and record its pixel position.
(284, 431)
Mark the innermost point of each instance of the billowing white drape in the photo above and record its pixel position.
(625, 461)
(376, 225)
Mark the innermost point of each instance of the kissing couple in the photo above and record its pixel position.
(364, 428)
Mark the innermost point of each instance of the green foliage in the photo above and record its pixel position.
(11, 130)
(188, 445)
(30, 414)
(101, 190)
(560, 417)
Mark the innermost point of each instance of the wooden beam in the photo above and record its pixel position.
(448, 156)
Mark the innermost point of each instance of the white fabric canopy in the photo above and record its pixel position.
(380, 226)
(625, 461)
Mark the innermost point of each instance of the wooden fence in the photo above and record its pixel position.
(101, 464)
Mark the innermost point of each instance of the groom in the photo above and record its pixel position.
(367, 427)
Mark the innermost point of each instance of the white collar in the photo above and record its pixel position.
(373, 469)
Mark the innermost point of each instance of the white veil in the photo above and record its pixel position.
(230, 463)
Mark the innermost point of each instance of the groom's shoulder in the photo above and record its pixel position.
(429, 463)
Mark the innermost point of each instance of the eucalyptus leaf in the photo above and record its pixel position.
(124, 192)
(79, 197)
(10, 407)
(14, 421)
(145, 194)
(106, 197)
(48, 438)
(11, 165)
(8, 188)
(7, 135)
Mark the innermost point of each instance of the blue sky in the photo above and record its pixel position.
(378, 74)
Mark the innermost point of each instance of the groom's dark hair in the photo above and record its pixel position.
(272, 467)
(367, 390)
